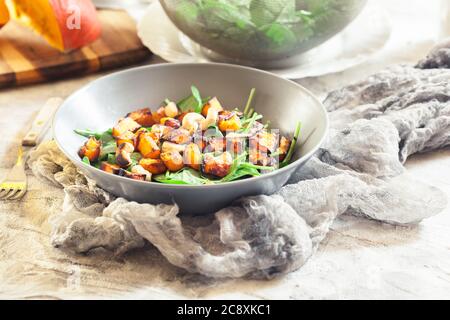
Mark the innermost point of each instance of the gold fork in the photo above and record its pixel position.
(14, 186)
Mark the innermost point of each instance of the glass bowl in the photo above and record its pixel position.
(259, 32)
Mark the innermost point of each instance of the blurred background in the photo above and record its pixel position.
(46, 40)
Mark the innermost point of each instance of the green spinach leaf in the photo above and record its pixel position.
(213, 132)
(108, 148)
(106, 135)
(196, 94)
(86, 160)
(193, 102)
(241, 172)
(276, 23)
(279, 33)
(135, 158)
(265, 12)
(186, 176)
(111, 158)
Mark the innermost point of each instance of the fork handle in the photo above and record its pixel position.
(41, 122)
(20, 156)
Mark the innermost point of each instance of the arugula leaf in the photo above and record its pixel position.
(249, 102)
(251, 121)
(291, 150)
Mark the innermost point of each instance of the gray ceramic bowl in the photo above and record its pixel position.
(100, 104)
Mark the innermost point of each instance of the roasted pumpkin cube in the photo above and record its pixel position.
(261, 158)
(192, 156)
(154, 166)
(127, 137)
(265, 141)
(178, 136)
(158, 115)
(125, 125)
(91, 149)
(235, 145)
(123, 154)
(131, 175)
(173, 161)
(283, 149)
(200, 139)
(137, 136)
(171, 122)
(216, 144)
(218, 166)
(142, 116)
(201, 143)
(229, 121)
(110, 168)
(148, 147)
(172, 147)
(214, 104)
(142, 133)
(138, 169)
(158, 131)
(171, 110)
(181, 116)
(255, 128)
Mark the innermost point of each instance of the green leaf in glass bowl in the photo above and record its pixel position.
(264, 12)
(280, 34)
(220, 15)
(187, 10)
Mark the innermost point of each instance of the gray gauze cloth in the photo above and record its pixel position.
(375, 125)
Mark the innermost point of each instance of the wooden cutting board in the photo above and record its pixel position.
(27, 58)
